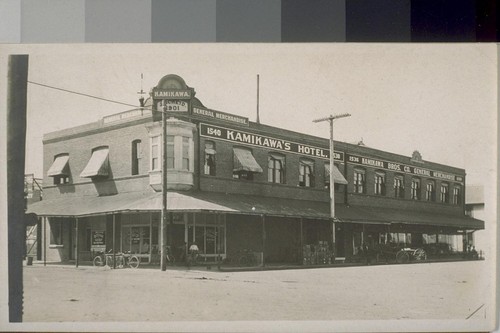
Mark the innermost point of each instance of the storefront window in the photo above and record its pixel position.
(136, 240)
(56, 233)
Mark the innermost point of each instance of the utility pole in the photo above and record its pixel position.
(163, 225)
(330, 119)
(16, 140)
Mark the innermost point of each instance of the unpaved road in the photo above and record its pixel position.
(415, 291)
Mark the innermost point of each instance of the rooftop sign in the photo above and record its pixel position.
(171, 93)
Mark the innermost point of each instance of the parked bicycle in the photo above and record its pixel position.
(121, 260)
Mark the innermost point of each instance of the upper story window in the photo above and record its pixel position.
(276, 168)
(379, 183)
(444, 197)
(244, 164)
(399, 188)
(359, 181)
(170, 152)
(209, 165)
(59, 169)
(136, 156)
(155, 153)
(430, 191)
(98, 165)
(415, 189)
(185, 153)
(306, 173)
(457, 195)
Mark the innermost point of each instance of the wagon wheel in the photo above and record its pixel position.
(402, 257)
(420, 255)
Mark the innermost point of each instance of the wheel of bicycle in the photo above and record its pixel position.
(171, 259)
(402, 257)
(243, 261)
(420, 255)
(98, 261)
(133, 262)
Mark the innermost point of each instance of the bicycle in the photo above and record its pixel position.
(403, 256)
(247, 258)
(122, 260)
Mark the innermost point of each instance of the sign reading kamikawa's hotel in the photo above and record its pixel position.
(252, 139)
(257, 140)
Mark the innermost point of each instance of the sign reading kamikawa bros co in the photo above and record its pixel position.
(237, 136)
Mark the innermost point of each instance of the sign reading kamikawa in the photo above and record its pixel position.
(241, 137)
(217, 132)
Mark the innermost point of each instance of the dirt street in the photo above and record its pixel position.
(415, 291)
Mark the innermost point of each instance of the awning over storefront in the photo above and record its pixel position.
(243, 204)
(337, 176)
(244, 161)
(59, 167)
(98, 164)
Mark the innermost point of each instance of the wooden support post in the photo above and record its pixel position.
(76, 243)
(44, 241)
(301, 252)
(263, 219)
(113, 240)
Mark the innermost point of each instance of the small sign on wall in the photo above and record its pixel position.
(98, 240)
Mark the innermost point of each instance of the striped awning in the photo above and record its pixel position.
(59, 167)
(338, 178)
(244, 161)
(98, 164)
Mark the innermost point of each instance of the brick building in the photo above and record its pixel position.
(234, 184)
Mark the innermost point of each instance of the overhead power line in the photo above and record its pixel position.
(82, 94)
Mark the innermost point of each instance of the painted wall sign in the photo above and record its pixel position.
(399, 167)
(127, 115)
(241, 137)
(218, 115)
(171, 93)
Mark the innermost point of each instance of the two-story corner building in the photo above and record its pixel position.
(234, 184)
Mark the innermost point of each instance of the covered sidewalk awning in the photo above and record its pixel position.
(72, 206)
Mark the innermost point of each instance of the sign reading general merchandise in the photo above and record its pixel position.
(399, 167)
(213, 114)
(232, 135)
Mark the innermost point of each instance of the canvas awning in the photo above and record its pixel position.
(338, 178)
(59, 167)
(243, 204)
(98, 164)
(244, 161)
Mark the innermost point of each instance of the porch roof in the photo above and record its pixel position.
(72, 206)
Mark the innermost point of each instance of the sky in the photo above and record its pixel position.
(439, 99)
